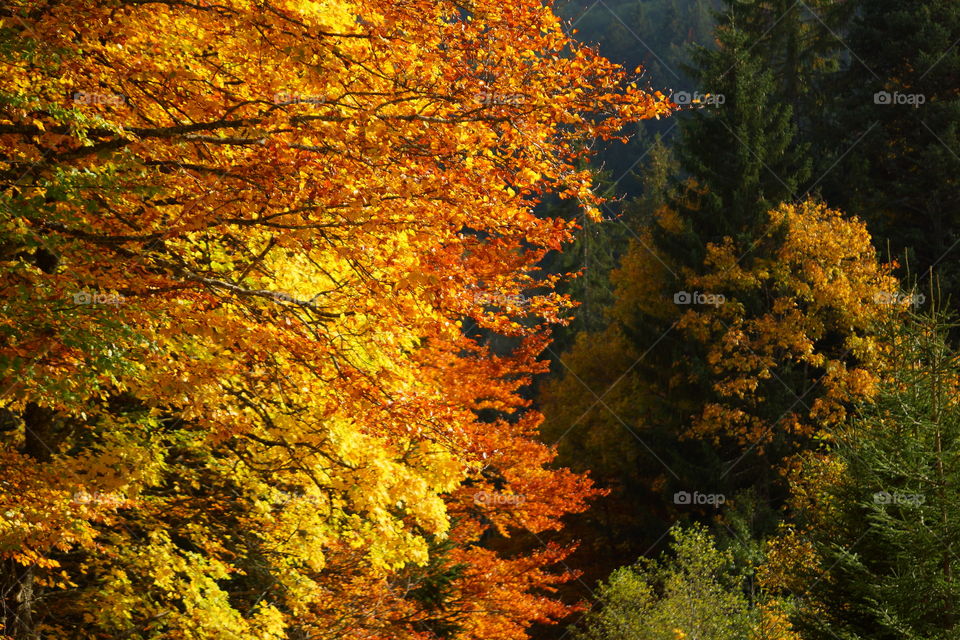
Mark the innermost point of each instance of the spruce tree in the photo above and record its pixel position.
(885, 535)
(891, 146)
(739, 146)
(654, 375)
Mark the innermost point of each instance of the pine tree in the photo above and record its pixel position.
(739, 147)
(890, 150)
(659, 371)
(883, 535)
(798, 42)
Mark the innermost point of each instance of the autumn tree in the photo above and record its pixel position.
(238, 242)
(695, 591)
(710, 376)
(873, 553)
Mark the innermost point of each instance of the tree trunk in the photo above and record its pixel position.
(17, 581)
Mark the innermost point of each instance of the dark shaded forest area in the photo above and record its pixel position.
(762, 371)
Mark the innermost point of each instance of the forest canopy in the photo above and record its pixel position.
(432, 320)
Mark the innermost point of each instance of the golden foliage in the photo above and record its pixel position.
(268, 222)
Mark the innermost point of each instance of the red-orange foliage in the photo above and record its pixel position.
(239, 243)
